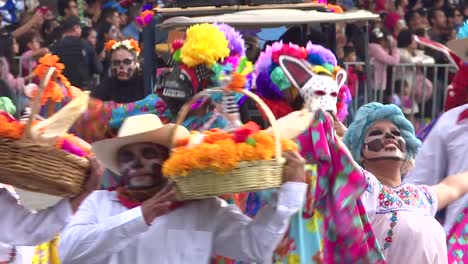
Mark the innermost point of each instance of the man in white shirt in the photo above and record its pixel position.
(21, 227)
(140, 222)
(445, 149)
(444, 152)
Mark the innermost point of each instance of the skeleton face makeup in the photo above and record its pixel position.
(123, 64)
(384, 141)
(140, 165)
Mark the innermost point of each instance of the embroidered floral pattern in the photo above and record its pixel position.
(408, 196)
(393, 223)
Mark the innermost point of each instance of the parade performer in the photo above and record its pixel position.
(125, 85)
(21, 227)
(382, 141)
(444, 149)
(208, 55)
(140, 221)
(304, 243)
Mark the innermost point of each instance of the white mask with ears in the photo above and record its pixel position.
(318, 91)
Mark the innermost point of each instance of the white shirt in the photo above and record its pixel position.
(444, 152)
(21, 227)
(104, 231)
(403, 222)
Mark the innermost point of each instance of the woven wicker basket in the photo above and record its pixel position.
(246, 177)
(38, 166)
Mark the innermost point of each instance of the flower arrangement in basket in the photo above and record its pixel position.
(216, 162)
(41, 156)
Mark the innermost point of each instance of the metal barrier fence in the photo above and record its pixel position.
(419, 90)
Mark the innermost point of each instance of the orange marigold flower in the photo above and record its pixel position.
(135, 45)
(219, 152)
(109, 44)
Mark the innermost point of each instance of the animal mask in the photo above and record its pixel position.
(319, 91)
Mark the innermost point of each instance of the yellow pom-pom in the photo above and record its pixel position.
(204, 44)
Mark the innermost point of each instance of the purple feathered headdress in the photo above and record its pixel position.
(235, 39)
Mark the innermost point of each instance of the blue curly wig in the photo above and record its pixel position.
(367, 115)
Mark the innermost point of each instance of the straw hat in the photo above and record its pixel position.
(146, 128)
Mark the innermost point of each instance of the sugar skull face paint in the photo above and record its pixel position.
(123, 64)
(140, 165)
(384, 141)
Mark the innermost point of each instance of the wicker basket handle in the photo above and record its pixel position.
(37, 103)
(205, 93)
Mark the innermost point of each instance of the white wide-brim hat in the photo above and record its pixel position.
(145, 128)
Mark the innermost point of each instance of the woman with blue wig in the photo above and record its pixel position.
(382, 141)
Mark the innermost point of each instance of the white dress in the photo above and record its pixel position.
(403, 222)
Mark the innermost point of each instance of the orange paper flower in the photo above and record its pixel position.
(109, 44)
(129, 44)
(219, 151)
(53, 91)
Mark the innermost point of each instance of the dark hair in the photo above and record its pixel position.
(25, 39)
(6, 51)
(70, 23)
(252, 45)
(62, 5)
(409, 16)
(405, 38)
(348, 50)
(422, 11)
(432, 14)
(47, 25)
(107, 13)
(86, 31)
(103, 28)
(400, 86)
(133, 11)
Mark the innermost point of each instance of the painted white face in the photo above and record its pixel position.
(318, 91)
(384, 141)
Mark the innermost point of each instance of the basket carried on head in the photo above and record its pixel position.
(247, 176)
(35, 164)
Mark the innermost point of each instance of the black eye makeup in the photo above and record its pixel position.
(375, 132)
(117, 63)
(396, 133)
(125, 156)
(150, 153)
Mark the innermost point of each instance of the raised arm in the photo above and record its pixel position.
(451, 188)
(22, 227)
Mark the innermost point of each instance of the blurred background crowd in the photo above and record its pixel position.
(402, 72)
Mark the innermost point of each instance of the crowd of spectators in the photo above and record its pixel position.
(403, 72)
(78, 37)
